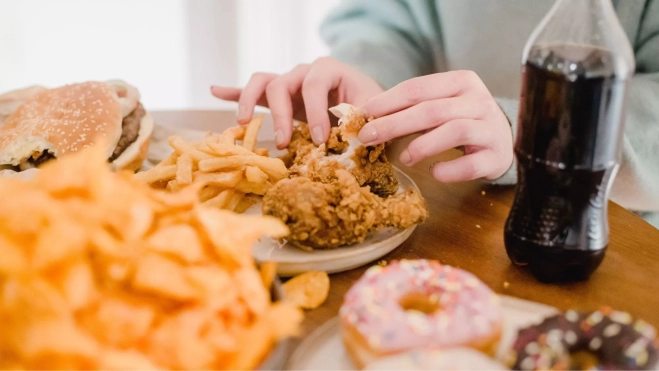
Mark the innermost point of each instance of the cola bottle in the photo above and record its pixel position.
(576, 68)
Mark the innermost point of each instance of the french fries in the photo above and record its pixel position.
(233, 175)
(99, 271)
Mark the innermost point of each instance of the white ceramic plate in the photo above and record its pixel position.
(291, 260)
(323, 349)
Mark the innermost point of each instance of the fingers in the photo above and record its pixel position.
(226, 93)
(423, 116)
(323, 77)
(279, 92)
(251, 94)
(474, 166)
(420, 89)
(450, 135)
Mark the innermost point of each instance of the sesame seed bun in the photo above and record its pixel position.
(11, 100)
(69, 118)
(61, 120)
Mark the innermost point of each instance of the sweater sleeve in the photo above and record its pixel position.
(389, 40)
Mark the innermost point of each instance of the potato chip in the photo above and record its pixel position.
(282, 315)
(307, 290)
(78, 285)
(235, 248)
(113, 359)
(216, 284)
(149, 274)
(188, 350)
(253, 345)
(58, 242)
(268, 272)
(251, 290)
(118, 322)
(180, 241)
(101, 271)
(13, 259)
(51, 337)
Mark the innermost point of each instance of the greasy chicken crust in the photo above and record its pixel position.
(338, 213)
(372, 168)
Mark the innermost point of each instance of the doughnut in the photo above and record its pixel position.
(603, 339)
(449, 359)
(418, 304)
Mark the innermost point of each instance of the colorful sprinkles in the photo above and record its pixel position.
(618, 342)
(468, 309)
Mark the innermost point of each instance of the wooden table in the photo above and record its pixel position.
(465, 229)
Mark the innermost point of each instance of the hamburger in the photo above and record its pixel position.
(53, 122)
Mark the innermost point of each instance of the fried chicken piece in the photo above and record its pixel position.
(368, 164)
(340, 212)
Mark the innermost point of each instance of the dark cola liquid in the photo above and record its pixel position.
(567, 146)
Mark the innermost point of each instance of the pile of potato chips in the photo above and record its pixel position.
(100, 271)
(234, 175)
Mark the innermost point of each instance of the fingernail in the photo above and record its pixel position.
(279, 137)
(242, 113)
(317, 135)
(405, 158)
(367, 134)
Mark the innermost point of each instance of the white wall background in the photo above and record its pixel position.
(172, 50)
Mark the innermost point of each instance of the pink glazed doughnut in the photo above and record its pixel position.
(418, 304)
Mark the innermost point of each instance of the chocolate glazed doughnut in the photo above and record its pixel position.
(610, 340)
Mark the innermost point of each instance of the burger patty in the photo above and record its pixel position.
(45, 157)
(37, 161)
(130, 128)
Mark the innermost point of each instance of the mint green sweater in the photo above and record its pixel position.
(394, 40)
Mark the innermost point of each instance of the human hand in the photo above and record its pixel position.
(452, 109)
(303, 94)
